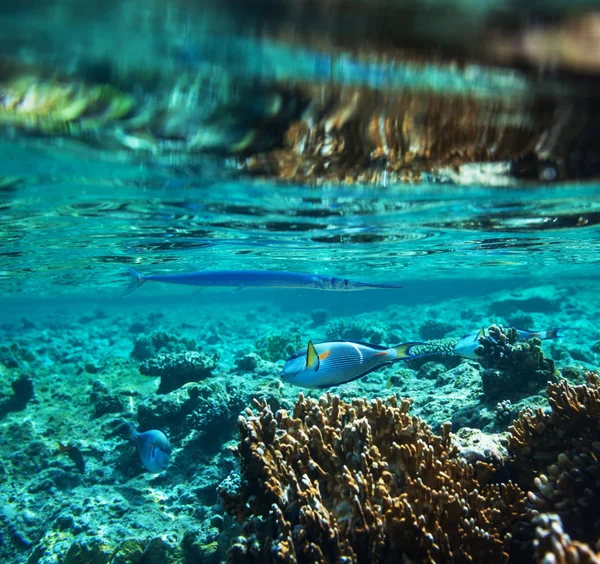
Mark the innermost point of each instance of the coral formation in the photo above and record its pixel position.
(357, 329)
(148, 346)
(511, 366)
(557, 456)
(434, 329)
(278, 346)
(363, 482)
(176, 369)
(553, 546)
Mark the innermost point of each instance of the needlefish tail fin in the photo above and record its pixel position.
(136, 281)
(404, 351)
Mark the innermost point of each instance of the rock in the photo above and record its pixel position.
(433, 329)
(104, 402)
(177, 369)
(431, 370)
(475, 445)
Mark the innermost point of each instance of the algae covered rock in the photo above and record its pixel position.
(434, 329)
(177, 369)
(278, 346)
(148, 346)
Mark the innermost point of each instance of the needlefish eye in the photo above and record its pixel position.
(345, 282)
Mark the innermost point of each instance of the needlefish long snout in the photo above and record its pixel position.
(256, 279)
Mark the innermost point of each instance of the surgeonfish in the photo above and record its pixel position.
(74, 454)
(467, 345)
(153, 447)
(323, 365)
(257, 279)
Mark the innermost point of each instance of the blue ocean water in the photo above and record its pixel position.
(472, 247)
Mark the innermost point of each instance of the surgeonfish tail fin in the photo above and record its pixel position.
(136, 281)
(554, 333)
(404, 350)
(128, 430)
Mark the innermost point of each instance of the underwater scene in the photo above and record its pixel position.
(299, 282)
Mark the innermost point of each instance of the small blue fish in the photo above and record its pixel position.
(154, 448)
(323, 365)
(467, 345)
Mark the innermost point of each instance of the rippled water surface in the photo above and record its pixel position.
(71, 228)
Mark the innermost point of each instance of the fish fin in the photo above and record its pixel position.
(136, 281)
(62, 448)
(403, 350)
(555, 333)
(480, 334)
(129, 431)
(312, 358)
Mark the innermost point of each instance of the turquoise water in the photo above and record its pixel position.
(472, 245)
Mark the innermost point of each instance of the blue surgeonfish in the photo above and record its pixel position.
(467, 345)
(153, 447)
(323, 365)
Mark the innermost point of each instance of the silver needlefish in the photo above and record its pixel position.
(467, 345)
(255, 278)
(153, 447)
(323, 365)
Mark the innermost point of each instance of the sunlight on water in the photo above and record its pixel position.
(299, 282)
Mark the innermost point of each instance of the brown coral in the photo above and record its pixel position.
(558, 456)
(513, 366)
(553, 546)
(363, 482)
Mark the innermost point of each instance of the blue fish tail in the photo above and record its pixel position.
(136, 281)
(404, 350)
(555, 333)
(130, 430)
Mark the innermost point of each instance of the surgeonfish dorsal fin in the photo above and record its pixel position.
(312, 358)
(480, 334)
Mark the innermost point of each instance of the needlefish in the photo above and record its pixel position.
(255, 278)
(467, 344)
(322, 365)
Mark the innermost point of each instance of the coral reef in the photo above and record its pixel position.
(176, 369)
(363, 482)
(553, 546)
(22, 394)
(557, 456)
(512, 367)
(148, 346)
(357, 329)
(277, 346)
(434, 329)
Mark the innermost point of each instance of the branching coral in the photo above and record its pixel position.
(363, 482)
(554, 546)
(558, 455)
(512, 366)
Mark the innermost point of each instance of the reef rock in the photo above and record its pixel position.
(176, 369)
